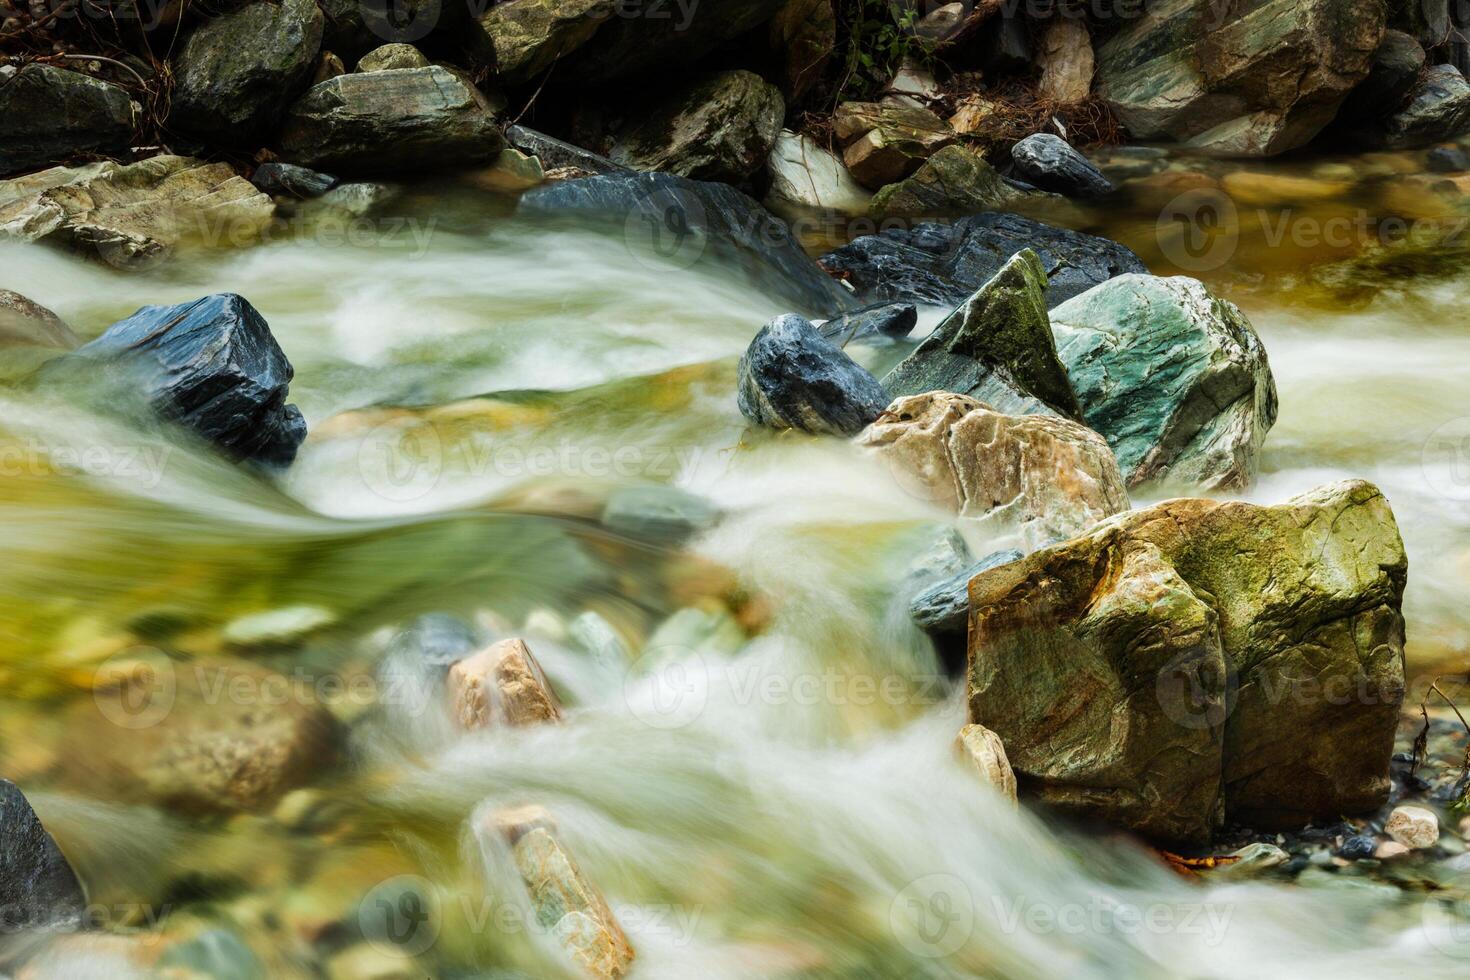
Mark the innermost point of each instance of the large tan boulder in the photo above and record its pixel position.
(1038, 477)
(1201, 660)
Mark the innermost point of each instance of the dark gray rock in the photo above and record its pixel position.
(38, 888)
(239, 71)
(943, 264)
(436, 640)
(791, 378)
(660, 37)
(1448, 160)
(688, 221)
(1396, 68)
(554, 153)
(1438, 109)
(378, 122)
(1358, 847)
(355, 27)
(664, 515)
(886, 322)
(211, 365)
(1048, 162)
(289, 180)
(48, 115)
(1005, 47)
(944, 609)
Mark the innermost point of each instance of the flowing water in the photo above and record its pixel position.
(756, 766)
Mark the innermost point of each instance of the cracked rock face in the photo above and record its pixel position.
(1201, 660)
(1175, 379)
(38, 888)
(1039, 477)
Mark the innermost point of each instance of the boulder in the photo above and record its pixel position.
(886, 143)
(27, 324)
(943, 609)
(48, 114)
(654, 40)
(983, 749)
(208, 737)
(1448, 160)
(803, 35)
(997, 347)
(889, 321)
(1201, 660)
(1175, 379)
(1005, 45)
(914, 86)
(355, 27)
(554, 153)
(686, 220)
(39, 891)
(1036, 479)
(1251, 79)
(391, 121)
(523, 38)
(1066, 59)
(804, 174)
(954, 182)
(289, 180)
(721, 128)
(128, 215)
(503, 685)
(510, 172)
(791, 378)
(238, 71)
(1050, 163)
(1396, 68)
(392, 56)
(211, 365)
(942, 264)
(1438, 109)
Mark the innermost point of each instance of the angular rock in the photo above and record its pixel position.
(913, 86)
(805, 174)
(983, 749)
(803, 34)
(523, 38)
(554, 153)
(328, 66)
(954, 182)
(48, 114)
(1438, 109)
(886, 143)
(941, 265)
(1066, 59)
(237, 72)
(501, 685)
(943, 609)
(891, 321)
(1048, 162)
(1396, 68)
(687, 220)
(1005, 47)
(289, 180)
(1175, 379)
(391, 121)
(128, 215)
(211, 365)
(38, 889)
(1251, 79)
(1448, 160)
(791, 378)
(1035, 478)
(510, 172)
(390, 57)
(27, 324)
(997, 347)
(1415, 827)
(1201, 660)
(721, 128)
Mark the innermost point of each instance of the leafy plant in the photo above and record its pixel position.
(875, 38)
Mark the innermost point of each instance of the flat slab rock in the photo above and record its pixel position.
(943, 264)
(1201, 661)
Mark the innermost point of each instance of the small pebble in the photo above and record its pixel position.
(1390, 849)
(1415, 827)
(1359, 847)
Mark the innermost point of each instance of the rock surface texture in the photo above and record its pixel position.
(954, 182)
(1050, 163)
(48, 114)
(1175, 379)
(886, 143)
(38, 888)
(501, 686)
(722, 128)
(792, 378)
(982, 748)
(1198, 661)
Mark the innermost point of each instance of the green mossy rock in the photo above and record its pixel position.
(523, 38)
(952, 183)
(723, 129)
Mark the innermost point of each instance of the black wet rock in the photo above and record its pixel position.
(1050, 163)
(554, 153)
(1396, 68)
(38, 888)
(943, 609)
(943, 264)
(1358, 847)
(1438, 109)
(289, 180)
(49, 114)
(885, 322)
(792, 378)
(211, 365)
(664, 515)
(671, 219)
(1448, 160)
(437, 640)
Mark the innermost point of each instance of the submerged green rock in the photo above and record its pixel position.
(954, 182)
